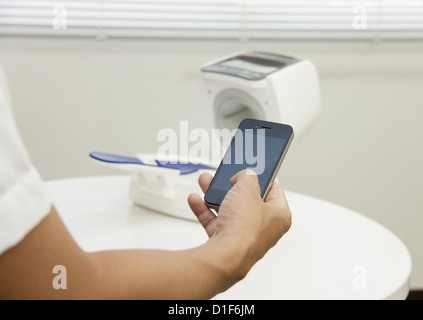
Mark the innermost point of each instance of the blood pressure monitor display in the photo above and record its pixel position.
(250, 65)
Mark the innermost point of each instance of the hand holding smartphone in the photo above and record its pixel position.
(257, 145)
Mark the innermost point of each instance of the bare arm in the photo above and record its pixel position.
(26, 269)
(246, 228)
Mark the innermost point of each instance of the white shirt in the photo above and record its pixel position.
(23, 200)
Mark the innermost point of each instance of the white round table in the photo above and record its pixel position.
(330, 252)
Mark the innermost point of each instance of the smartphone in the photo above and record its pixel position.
(257, 145)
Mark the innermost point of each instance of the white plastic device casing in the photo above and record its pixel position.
(290, 95)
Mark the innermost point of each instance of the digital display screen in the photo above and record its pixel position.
(252, 150)
(250, 66)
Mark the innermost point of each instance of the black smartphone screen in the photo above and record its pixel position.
(257, 145)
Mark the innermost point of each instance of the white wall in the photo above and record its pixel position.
(365, 152)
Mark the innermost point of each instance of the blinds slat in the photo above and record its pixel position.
(255, 19)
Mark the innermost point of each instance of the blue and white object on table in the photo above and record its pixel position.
(162, 185)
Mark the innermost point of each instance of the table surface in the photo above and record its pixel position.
(330, 252)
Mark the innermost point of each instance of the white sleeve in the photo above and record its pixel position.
(23, 200)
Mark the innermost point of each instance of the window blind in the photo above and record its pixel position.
(241, 20)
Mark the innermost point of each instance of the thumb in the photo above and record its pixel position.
(247, 175)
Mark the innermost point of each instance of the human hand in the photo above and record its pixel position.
(243, 215)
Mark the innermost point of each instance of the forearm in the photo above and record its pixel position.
(197, 273)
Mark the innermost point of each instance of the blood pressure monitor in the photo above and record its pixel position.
(258, 85)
